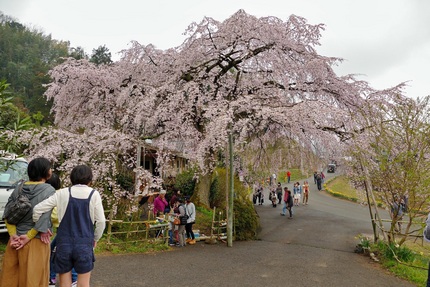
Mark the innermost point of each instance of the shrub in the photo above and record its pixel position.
(186, 182)
(246, 220)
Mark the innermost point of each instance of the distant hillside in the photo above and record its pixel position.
(26, 56)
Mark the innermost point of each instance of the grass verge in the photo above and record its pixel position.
(403, 261)
(340, 187)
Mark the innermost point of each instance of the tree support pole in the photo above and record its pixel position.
(368, 186)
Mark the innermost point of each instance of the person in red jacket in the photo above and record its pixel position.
(288, 203)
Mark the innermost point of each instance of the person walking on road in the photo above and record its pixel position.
(297, 191)
(273, 197)
(305, 192)
(319, 181)
(279, 192)
(288, 203)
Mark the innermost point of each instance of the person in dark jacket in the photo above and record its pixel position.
(288, 203)
(279, 192)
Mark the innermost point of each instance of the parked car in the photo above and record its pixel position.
(331, 168)
(12, 170)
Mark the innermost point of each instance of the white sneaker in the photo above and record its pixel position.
(75, 284)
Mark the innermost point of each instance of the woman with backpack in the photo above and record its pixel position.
(26, 259)
(181, 227)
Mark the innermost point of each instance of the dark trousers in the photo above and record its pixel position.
(290, 211)
(189, 230)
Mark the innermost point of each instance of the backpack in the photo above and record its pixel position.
(185, 217)
(18, 207)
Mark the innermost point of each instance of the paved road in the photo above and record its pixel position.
(313, 249)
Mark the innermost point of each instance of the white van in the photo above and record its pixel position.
(12, 170)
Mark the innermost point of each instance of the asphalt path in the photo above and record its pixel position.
(315, 248)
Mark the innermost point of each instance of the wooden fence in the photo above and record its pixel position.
(123, 232)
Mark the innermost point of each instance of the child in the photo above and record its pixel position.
(56, 183)
(79, 209)
(273, 197)
(297, 192)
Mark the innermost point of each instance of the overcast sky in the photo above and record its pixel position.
(385, 41)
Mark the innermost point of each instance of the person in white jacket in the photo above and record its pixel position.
(79, 208)
(190, 210)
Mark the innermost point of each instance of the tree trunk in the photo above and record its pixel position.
(203, 188)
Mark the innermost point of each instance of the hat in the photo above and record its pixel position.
(163, 192)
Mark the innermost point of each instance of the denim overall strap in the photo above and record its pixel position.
(76, 225)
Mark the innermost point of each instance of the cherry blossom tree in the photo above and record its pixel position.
(246, 76)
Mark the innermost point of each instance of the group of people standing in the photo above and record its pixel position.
(277, 195)
(81, 220)
(299, 193)
(180, 233)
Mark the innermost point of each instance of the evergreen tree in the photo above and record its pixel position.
(101, 55)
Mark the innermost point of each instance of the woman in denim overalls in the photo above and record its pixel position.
(79, 209)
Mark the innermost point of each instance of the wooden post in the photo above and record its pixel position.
(109, 232)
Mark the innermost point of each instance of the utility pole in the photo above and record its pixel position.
(231, 193)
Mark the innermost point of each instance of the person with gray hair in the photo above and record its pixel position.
(160, 203)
